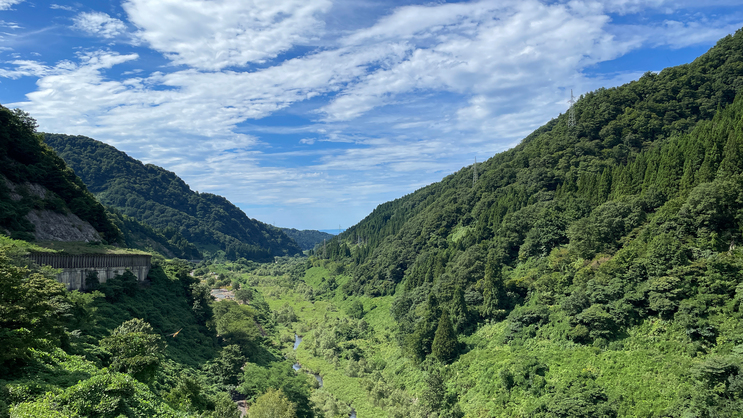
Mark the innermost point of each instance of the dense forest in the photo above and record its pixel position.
(162, 200)
(619, 234)
(307, 238)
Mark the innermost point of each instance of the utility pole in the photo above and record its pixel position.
(474, 172)
(324, 250)
(571, 112)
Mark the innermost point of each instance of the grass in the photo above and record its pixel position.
(83, 248)
(16, 244)
(377, 314)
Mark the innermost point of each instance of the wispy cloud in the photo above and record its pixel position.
(386, 107)
(99, 23)
(215, 34)
(62, 7)
(8, 4)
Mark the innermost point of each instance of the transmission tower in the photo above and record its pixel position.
(571, 114)
(474, 172)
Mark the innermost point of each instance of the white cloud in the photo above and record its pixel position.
(9, 25)
(404, 101)
(510, 45)
(99, 23)
(62, 7)
(7, 4)
(215, 34)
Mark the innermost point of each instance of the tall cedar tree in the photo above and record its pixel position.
(444, 346)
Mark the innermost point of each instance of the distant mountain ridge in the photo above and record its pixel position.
(162, 200)
(307, 238)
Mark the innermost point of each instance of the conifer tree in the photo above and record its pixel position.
(731, 162)
(459, 311)
(444, 346)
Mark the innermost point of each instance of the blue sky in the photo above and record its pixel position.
(309, 113)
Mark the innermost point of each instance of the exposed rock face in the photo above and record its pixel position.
(53, 226)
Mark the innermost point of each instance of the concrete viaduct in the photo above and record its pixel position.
(76, 267)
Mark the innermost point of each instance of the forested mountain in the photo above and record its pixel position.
(591, 235)
(35, 178)
(167, 241)
(159, 198)
(307, 238)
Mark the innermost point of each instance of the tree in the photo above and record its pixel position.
(237, 324)
(227, 367)
(135, 349)
(26, 120)
(32, 306)
(224, 407)
(355, 310)
(272, 404)
(244, 295)
(434, 393)
(444, 346)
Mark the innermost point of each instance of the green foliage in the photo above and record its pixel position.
(135, 349)
(237, 324)
(591, 271)
(168, 241)
(32, 308)
(355, 310)
(160, 199)
(105, 395)
(444, 347)
(272, 404)
(227, 368)
(27, 160)
(259, 381)
(172, 301)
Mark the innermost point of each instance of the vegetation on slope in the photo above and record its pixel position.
(162, 200)
(26, 160)
(160, 348)
(577, 254)
(307, 238)
(167, 241)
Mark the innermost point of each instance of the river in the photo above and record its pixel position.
(296, 366)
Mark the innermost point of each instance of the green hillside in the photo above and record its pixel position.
(167, 241)
(26, 161)
(577, 257)
(162, 200)
(307, 238)
(163, 348)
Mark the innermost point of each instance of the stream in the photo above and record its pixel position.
(297, 367)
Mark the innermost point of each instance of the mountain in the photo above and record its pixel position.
(167, 242)
(162, 200)
(619, 133)
(578, 256)
(307, 238)
(40, 197)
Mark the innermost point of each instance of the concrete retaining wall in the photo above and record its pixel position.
(75, 268)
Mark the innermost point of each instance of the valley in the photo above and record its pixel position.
(593, 270)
